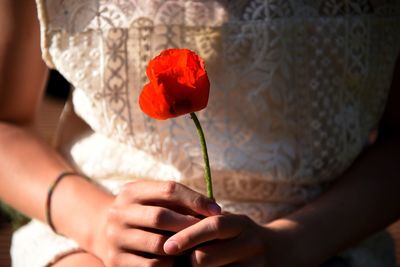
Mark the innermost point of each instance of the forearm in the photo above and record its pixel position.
(364, 200)
(28, 166)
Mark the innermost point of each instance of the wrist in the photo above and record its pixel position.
(96, 242)
(77, 210)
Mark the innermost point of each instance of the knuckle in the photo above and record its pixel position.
(112, 259)
(130, 187)
(157, 217)
(126, 189)
(199, 202)
(169, 188)
(155, 245)
(215, 223)
(112, 214)
(111, 233)
(126, 193)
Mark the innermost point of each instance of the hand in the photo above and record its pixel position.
(141, 219)
(224, 240)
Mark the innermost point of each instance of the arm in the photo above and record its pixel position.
(362, 201)
(27, 164)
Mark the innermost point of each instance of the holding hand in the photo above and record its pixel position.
(143, 216)
(224, 240)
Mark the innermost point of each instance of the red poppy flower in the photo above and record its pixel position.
(178, 85)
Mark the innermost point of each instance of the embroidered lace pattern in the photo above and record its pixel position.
(296, 86)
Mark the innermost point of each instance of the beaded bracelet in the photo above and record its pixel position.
(50, 194)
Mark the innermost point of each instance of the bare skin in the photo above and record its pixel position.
(135, 227)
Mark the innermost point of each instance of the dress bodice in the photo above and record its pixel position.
(296, 87)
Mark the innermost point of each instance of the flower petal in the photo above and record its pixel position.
(178, 85)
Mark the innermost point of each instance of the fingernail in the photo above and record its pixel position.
(214, 209)
(171, 247)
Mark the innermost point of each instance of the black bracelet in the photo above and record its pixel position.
(50, 194)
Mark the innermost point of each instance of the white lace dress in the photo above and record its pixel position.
(296, 88)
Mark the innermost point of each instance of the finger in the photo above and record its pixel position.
(156, 218)
(150, 192)
(208, 229)
(141, 240)
(132, 260)
(222, 253)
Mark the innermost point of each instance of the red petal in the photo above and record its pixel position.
(153, 104)
(178, 85)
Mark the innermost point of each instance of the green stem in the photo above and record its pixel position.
(207, 170)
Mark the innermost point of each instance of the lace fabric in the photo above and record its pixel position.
(297, 86)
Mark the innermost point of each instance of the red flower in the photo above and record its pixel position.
(178, 85)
